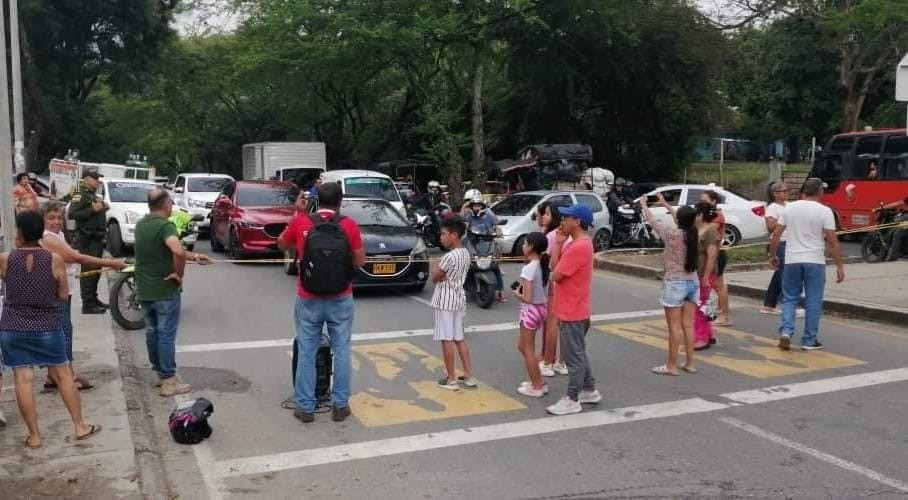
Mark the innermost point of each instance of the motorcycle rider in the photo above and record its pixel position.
(616, 199)
(898, 236)
(476, 213)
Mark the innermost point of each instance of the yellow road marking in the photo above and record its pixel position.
(402, 388)
(739, 351)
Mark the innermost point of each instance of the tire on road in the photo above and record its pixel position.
(115, 240)
(732, 236)
(123, 302)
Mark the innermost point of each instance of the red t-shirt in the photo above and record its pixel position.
(572, 293)
(296, 234)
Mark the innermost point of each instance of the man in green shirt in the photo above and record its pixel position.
(160, 262)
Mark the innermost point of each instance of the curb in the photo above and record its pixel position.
(871, 312)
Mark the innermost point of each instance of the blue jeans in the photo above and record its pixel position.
(811, 279)
(162, 317)
(310, 316)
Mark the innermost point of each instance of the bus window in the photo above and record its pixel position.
(842, 145)
(895, 157)
(831, 168)
(896, 145)
(868, 150)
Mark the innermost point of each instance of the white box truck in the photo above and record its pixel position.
(290, 161)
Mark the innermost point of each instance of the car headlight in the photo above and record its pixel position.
(196, 203)
(251, 225)
(132, 217)
(484, 263)
(419, 248)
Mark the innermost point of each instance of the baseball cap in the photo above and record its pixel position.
(91, 173)
(578, 211)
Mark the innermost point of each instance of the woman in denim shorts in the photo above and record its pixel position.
(681, 286)
(31, 326)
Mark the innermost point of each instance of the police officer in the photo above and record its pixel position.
(89, 212)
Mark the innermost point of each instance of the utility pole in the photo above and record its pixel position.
(7, 215)
(16, 69)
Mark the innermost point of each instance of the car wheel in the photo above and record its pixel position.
(602, 240)
(732, 236)
(216, 245)
(290, 263)
(114, 240)
(233, 249)
(518, 247)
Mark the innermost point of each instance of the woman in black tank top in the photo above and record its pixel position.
(31, 328)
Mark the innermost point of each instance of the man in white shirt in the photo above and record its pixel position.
(809, 228)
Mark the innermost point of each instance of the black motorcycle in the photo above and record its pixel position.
(428, 222)
(876, 244)
(484, 254)
(628, 226)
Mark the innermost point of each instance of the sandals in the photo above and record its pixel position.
(29, 445)
(82, 384)
(94, 430)
(663, 370)
(689, 369)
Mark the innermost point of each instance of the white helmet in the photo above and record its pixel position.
(474, 195)
(434, 185)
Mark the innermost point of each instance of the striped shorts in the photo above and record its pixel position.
(532, 316)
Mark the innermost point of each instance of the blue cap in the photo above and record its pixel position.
(579, 211)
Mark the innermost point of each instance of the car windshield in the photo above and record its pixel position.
(372, 213)
(266, 196)
(207, 184)
(371, 187)
(518, 204)
(129, 192)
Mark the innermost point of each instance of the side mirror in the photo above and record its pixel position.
(198, 218)
(178, 190)
(533, 217)
(502, 222)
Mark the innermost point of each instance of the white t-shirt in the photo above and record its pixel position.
(72, 268)
(805, 221)
(532, 272)
(774, 210)
(449, 294)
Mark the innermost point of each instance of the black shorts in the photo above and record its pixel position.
(722, 262)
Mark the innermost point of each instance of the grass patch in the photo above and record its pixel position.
(747, 178)
(748, 254)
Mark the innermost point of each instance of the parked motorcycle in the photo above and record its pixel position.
(124, 303)
(876, 244)
(428, 223)
(630, 227)
(484, 254)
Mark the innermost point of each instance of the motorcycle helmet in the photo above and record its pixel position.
(434, 185)
(619, 181)
(474, 196)
(188, 422)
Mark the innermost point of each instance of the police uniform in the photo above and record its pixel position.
(91, 230)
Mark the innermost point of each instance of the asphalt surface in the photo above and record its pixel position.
(820, 424)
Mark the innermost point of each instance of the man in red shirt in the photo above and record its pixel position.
(313, 311)
(572, 273)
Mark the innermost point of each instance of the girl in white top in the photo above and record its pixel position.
(55, 241)
(531, 291)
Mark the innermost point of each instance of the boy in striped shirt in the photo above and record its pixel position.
(449, 303)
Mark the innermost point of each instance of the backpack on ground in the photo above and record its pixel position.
(323, 368)
(326, 267)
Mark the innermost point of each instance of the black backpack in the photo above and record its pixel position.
(326, 267)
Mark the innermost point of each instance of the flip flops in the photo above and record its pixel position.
(82, 384)
(689, 369)
(663, 370)
(94, 430)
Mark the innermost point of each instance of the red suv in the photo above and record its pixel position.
(248, 216)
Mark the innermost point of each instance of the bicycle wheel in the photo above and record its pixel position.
(874, 247)
(124, 305)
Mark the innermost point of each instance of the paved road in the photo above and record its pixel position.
(754, 422)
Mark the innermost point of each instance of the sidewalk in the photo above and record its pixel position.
(875, 292)
(103, 466)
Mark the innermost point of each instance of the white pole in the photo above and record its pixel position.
(721, 159)
(16, 69)
(7, 215)
(813, 149)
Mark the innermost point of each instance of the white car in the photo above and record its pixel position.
(197, 192)
(128, 201)
(743, 216)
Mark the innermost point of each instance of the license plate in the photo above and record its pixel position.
(860, 220)
(384, 268)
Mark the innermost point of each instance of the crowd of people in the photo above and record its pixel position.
(553, 290)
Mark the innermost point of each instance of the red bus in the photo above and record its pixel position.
(854, 188)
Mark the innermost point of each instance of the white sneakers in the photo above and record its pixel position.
(565, 406)
(589, 397)
(527, 389)
(550, 370)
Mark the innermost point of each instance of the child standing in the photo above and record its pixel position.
(449, 302)
(531, 292)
